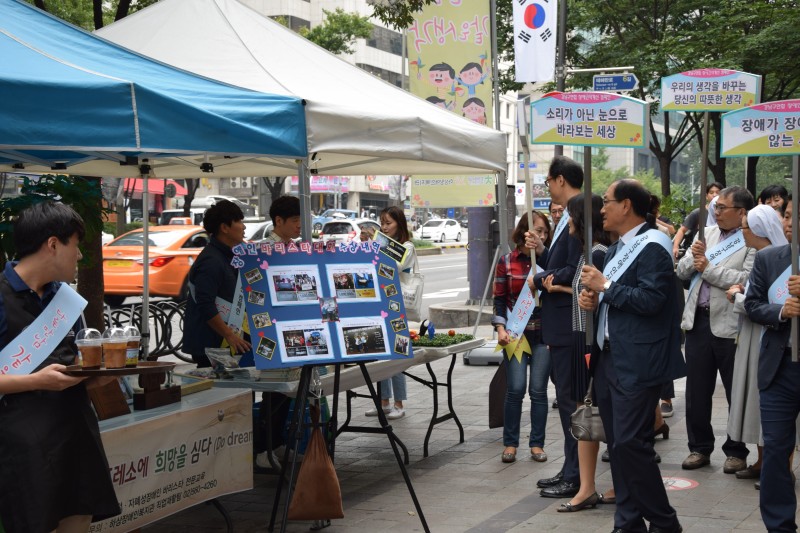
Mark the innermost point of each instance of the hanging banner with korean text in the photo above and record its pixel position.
(589, 119)
(200, 449)
(709, 89)
(449, 57)
(535, 39)
(772, 128)
(452, 191)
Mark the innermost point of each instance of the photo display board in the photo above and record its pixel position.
(321, 303)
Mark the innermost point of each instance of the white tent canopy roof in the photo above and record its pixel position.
(356, 123)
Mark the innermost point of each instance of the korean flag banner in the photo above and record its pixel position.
(535, 39)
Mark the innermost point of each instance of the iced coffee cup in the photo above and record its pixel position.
(132, 347)
(90, 348)
(115, 347)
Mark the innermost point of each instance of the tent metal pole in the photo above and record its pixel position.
(502, 180)
(144, 170)
(794, 246)
(303, 192)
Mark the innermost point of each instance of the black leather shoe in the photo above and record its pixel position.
(589, 503)
(674, 529)
(565, 489)
(550, 481)
(606, 457)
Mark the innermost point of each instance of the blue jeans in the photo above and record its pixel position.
(396, 384)
(780, 404)
(538, 365)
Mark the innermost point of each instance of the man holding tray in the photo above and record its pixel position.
(53, 473)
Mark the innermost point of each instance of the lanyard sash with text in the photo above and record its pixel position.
(33, 345)
(720, 252)
(561, 225)
(616, 267)
(779, 290)
(523, 308)
(233, 314)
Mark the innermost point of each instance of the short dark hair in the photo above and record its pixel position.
(518, 237)
(786, 203)
(773, 190)
(39, 222)
(284, 207)
(640, 197)
(443, 67)
(741, 196)
(397, 214)
(716, 184)
(576, 213)
(564, 166)
(222, 212)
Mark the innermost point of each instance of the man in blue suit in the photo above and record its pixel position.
(639, 348)
(564, 179)
(772, 300)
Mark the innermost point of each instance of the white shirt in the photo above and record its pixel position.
(623, 240)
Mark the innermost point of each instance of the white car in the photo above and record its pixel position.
(257, 231)
(440, 230)
(346, 230)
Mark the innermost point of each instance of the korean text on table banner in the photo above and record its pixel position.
(169, 463)
(450, 65)
(772, 128)
(709, 89)
(322, 303)
(589, 119)
(535, 39)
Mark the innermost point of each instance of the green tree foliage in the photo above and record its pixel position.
(91, 14)
(398, 14)
(338, 32)
(84, 195)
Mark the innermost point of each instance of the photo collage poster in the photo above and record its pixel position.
(321, 303)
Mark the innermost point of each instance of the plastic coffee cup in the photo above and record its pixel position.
(115, 346)
(90, 349)
(132, 347)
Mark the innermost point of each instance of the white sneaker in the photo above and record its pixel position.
(262, 461)
(374, 412)
(396, 413)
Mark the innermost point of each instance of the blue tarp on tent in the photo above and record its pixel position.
(69, 98)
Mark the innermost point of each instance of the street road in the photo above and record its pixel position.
(445, 277)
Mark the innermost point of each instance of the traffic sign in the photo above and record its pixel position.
(531, 164)
(614, 82)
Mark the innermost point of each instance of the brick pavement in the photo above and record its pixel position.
(465, 487)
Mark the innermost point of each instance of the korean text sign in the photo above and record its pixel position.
(322, 303)
(772, 128)
(709, 89)
(589, 119)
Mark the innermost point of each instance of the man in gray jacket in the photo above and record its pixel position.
(711, 325)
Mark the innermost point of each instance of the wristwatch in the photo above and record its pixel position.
(606, 285)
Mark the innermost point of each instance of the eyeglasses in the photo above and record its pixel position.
(606, 201)
(547, 182)
(718, 207)
(557, 212)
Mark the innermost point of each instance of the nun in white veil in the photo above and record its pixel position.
(761, 228)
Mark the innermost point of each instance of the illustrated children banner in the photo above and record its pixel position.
(321, 303)
(449, 57)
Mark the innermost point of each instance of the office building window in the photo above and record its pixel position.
(386, 40)
(395, 78)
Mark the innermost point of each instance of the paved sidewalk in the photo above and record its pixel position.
(466, 488)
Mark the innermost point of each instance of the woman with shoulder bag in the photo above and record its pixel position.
(511, 275)
(587, 496)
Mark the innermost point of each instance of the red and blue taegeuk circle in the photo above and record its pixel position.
(534, 16)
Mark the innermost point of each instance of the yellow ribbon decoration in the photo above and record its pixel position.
(516, 348)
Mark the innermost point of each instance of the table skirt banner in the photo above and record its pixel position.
(166, 464)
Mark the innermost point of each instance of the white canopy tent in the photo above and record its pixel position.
(356, 123)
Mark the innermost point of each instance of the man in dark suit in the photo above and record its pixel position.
(639, 339)
(564, 179)
(767, 303)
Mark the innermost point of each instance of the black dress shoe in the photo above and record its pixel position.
(550, 481)
(606, 457)
(674, 529)
(565, 489)
(588, 503)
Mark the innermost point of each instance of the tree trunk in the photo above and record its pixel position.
(97, 8)
(751, 178)
(191, 189)
(90, 277)
(40, 4)
(122, 9)
(664, 165)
